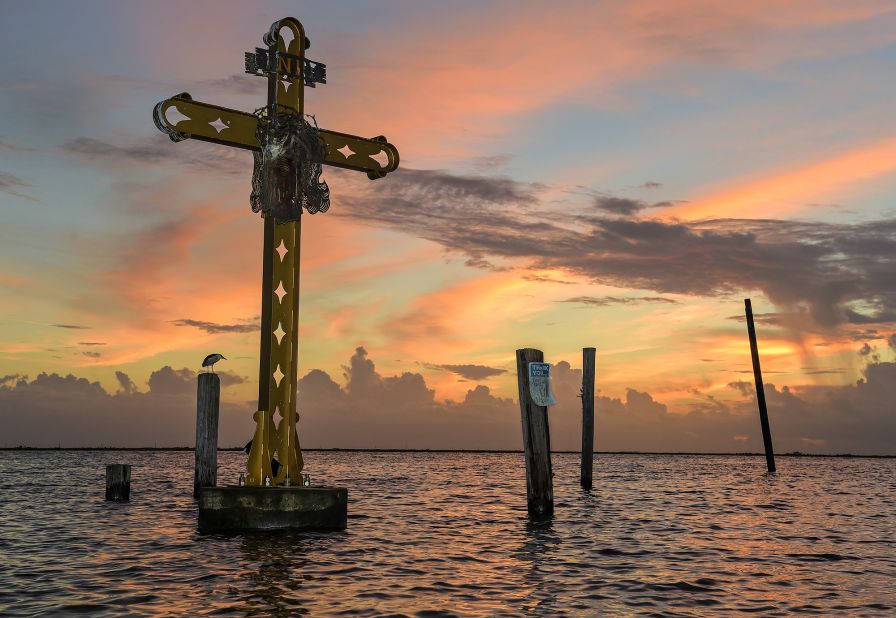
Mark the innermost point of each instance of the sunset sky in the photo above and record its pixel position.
(617, 174)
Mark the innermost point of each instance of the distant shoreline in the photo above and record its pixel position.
(433, 450)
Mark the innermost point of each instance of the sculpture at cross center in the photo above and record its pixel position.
(289, 152)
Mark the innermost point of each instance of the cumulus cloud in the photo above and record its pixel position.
(11, 378)
(126, 385)
(70, 411)
(367, 409)
(229, 378)
(855, 418)
(838, 273)
(168, 381)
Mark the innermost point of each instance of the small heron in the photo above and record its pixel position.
(211, 359)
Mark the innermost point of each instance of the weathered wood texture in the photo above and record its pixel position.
(588, 367)
(536, 440)
(760, 390)
(207, 402)
(118, 482)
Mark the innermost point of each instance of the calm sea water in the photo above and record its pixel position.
(447, 534)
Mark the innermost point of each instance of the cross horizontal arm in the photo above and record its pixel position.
(230, 127)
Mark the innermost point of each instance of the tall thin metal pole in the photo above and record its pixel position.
(588, 355)
(760, 390)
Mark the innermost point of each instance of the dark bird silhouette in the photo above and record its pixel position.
(211, 359)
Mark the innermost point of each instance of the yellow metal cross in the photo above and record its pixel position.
(288, 71)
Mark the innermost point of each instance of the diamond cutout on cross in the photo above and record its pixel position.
(279, 333)
(218, 125)
(278, 375)
(281, 249)
(345, 151)
(280, 292)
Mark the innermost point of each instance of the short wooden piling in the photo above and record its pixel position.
(207, 401)
(588, 367)
(118, 482)
(760, 390)
(536, 440)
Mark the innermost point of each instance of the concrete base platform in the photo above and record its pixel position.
(236, 509)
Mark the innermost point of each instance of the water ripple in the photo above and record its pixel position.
(446, 534)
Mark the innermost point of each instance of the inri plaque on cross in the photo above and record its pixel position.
(289, 152)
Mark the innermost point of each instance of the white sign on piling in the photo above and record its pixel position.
(540, 384)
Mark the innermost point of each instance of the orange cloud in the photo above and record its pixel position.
(782, 193)
(458, 322)
(449, 84)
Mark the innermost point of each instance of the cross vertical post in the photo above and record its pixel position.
(278, 361)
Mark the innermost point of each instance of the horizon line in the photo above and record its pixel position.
(437, 450)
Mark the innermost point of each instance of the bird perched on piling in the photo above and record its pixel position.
(211, 359)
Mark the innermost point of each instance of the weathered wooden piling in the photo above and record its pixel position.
(760, 390)
(118, 482)
(207, 402)
(536, 440)
(588, 368)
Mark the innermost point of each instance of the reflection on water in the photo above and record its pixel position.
(539, 542)
(447, 534)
